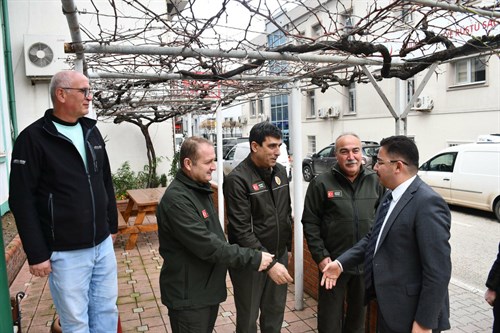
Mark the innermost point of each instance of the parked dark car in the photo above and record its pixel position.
(323, 160)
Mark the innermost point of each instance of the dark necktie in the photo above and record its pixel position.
(370, 247)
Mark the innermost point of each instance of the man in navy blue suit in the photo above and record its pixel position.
(408, 255)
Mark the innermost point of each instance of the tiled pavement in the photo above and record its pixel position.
(141, 310)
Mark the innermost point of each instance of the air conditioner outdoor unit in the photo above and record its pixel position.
(424, 103)
(44, 55)
(333, 112)
(322, 113)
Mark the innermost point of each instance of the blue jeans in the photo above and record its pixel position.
(84, 288)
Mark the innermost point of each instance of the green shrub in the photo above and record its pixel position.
(124, 179)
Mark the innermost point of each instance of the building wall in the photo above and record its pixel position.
(124, 141)
(5, 137)
(460, 114)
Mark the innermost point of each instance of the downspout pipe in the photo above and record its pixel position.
(9, 69)
(70, 11)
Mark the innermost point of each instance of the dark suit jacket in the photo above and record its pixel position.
(493, 281)
(412, 265)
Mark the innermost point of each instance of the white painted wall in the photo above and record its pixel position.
(5, 141)
(124, 141)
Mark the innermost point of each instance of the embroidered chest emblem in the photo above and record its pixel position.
(334, 194)
(277, 180)
(204, 213)
(258, 186)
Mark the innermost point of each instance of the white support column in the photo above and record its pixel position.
(295, 116)
(189, 125)
(220, 174)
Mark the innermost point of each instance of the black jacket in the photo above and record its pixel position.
(338, 212)
(493, 281)
(259, 216)
(195, 251)
(58, 204)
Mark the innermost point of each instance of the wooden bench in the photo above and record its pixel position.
(122, 224)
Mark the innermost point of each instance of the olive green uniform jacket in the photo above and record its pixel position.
(195, 251)
(338, 213)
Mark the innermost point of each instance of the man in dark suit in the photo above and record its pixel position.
(407, 253)
(493, 284)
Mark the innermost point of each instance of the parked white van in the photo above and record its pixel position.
(240, 151)
(466, 175)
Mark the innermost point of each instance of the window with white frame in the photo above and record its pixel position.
(311, 144)
(472, 70)
(311, 112)
(253, 108)
(261, 106)
(352, 98)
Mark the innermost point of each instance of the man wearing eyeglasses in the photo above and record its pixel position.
(407, 253)
(62, 197)
(339, 208)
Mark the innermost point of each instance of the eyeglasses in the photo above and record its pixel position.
(382, 162)
(85, 91)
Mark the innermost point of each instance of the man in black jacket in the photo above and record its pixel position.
(259, 217)
(62, 197)
(338, 211)
(192, 243)
(491, 295)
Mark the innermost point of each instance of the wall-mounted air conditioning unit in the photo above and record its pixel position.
(423, 103)
(44, 55)
(333, 112)
(322, 113)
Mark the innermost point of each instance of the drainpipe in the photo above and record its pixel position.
(8, 70)
(5, 310)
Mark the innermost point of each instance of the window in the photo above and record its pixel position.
(261, 106)
(274, 40)
(352, 98)
(253, 108)
(410, 89)
(442, 163)
(311, 144)
(407, 14)
(318, 31)
(311, 112)
(279, 115)
(471, 70)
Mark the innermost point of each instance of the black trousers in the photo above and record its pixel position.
(342, 309)
(200, 320)
(256, 292)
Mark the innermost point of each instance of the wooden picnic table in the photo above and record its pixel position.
(145, 200)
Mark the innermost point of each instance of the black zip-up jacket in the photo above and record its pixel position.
(58, 204)
(259, 216)
(338, 212)
(195, 251)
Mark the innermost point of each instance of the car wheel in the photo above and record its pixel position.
(307, 173)
(497, 209)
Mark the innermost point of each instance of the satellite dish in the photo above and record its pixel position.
(40, 54)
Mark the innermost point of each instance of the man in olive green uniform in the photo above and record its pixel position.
(259, 217)
(338, 211)
(193, 246)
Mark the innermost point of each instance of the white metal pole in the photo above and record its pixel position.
(295, 116)
(220, 174)
(189, 125)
